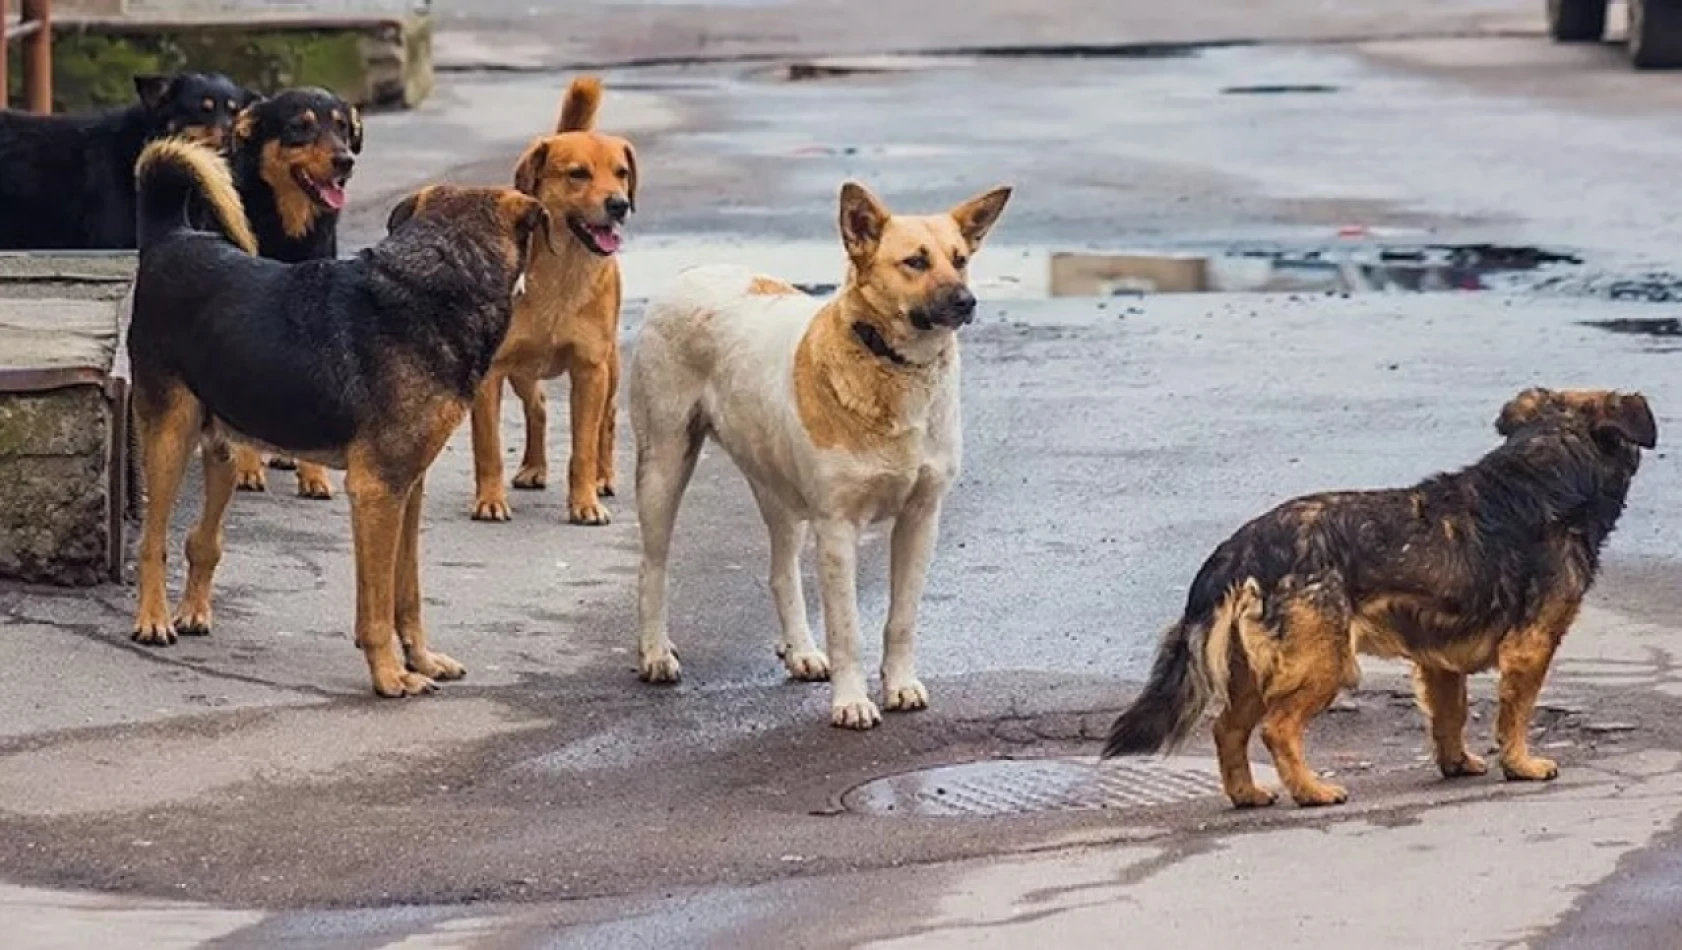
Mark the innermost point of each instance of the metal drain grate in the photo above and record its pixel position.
(1027, 786)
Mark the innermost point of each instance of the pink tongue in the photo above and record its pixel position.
(332, 195)
(606, 238)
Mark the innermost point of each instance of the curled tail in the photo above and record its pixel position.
(172, 173)
(578, 108)
(1190, 674)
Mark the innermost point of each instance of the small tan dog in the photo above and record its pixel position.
(568, 321)
(840, 413)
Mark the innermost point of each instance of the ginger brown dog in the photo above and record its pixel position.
(1484, 567)
(568, 321)
(366, 365)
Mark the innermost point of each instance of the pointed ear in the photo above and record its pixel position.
(1521, 409)
(631, 185)
(1628, 417)
(977, 216)
(863, 219)
(529, 172)
(152, 90)
(354, 120)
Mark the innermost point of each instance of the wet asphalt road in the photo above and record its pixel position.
(1109, 445)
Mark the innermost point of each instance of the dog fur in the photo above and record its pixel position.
(568, 322)
(840, 413)
(1480, 568)
(292, 155)
(67, 182)
(367, 365)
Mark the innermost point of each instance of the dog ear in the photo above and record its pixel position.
(405, 210)
(1628, 417)
(245, 125)
(529, 173)
(249, 97)
(354, 120)
(153, 90)
(863, 220)
(1521, 409)
(977, 216)
(538, 220)
(631, 186)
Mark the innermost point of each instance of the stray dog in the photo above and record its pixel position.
(292, 155)
(67, 182)
(366, 365)
(840, 413)
(1480, 568)
(569, 320)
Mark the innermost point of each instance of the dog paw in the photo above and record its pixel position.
(659, 666)
(907, 696)
(592, 514)
(857, 714)
(532, 477)
(1320, 794)
(314, 485)
(154, 633)
(193, 621)
(492, 509)
(283, 463)
(807, 666)
(251, 479)
(1252, 797)
(435, 666)
(1530, 769)
(1466, 766)
(397, 684)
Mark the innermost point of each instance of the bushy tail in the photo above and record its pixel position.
(173, 172)
(1190, 674)
(578, 108)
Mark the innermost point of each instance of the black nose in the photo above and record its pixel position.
(962, 304)
(617, 207)
(343, 163)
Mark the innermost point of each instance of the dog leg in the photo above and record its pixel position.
(1313, 662)
(410, 632)
(850, 705)
(204, 544)
(1442, 698)
(167, 423)
(534, 466)
(1523, 659)
(912, 546)
(313, 482)
(589, 402)
(797, 650)
(248, 469)
(604, 453)
(665, 461)
(1232, 739)
(490, 500)
(377, 520)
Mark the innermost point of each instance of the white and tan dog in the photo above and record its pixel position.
(840, 413)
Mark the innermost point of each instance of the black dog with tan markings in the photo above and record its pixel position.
(1484, 567)
(366, 365)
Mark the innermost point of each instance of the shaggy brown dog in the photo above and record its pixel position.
(1480, 568)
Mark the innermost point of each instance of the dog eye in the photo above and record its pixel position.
(959, 260)
(622, 173)
(580, 174)
(209, 105)
(918, 261)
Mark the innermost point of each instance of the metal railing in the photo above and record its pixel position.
(34, 29)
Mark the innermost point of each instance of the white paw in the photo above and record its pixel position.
(660, 666)
(906, 696)
(854, 714)
(808, 666)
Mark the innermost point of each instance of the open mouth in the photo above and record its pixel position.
(603, 239)
(329, 194)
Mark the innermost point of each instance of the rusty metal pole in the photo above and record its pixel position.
(38, 56)
(5, 75)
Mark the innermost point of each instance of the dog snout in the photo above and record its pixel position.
(960, 304)
(617, 206)
(343, 162)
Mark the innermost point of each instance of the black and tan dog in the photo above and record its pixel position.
(67, 182)
(1484, 567)
(292, 155)
(366, 365)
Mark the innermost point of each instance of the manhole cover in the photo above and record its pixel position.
(1025, 786)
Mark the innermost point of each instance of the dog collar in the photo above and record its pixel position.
(872, 340)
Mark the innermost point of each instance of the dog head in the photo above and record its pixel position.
(197, 106)
(1615, 420)
(507, 222)
(305, 143)
(912, 272)
(585, 178)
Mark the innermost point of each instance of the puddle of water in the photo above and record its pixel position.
(1279, 89)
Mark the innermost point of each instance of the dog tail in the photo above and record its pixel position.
(578, 108)
(1193, 664)
(173, 173)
